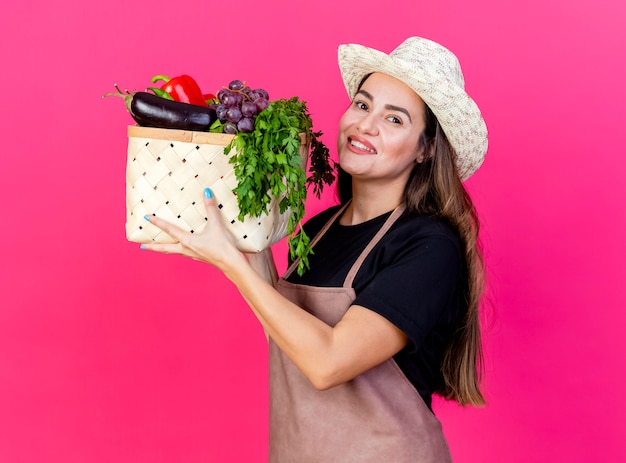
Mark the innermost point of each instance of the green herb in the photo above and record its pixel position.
(267, 163)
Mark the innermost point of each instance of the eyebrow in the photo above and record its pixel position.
(388, 106)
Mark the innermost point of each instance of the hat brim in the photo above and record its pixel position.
(458, 114)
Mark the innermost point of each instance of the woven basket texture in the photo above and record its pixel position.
(166, 174)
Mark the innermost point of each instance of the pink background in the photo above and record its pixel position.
(111, 354)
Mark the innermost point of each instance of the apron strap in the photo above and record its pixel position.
(395, 215)
(317, 237)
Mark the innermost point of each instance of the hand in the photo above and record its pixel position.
(214, 244)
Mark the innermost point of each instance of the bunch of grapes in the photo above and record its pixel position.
(238, 105)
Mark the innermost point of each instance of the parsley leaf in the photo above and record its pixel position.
(268, 161)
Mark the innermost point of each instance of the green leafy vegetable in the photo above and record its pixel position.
(267, 162)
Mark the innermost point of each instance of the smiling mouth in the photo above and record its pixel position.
(361, 146)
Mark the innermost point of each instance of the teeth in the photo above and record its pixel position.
(361, 146)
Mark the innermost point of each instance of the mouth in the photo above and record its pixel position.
(361, 146)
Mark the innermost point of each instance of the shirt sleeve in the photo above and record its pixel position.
(417, 290)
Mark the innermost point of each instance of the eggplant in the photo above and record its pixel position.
(149, 110)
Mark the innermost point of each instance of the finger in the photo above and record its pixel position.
(172, 230)
(213, 213)
(214, 216)
(171, 248)
(165, 248)
(210, 203)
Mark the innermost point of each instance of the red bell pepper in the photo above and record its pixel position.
(182, 88)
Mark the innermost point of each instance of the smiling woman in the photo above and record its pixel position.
(387, 315)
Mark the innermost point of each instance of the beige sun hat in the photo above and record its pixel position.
(435, 74)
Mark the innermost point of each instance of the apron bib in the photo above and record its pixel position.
(376, 417)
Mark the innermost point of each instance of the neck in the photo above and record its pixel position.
(369, 201)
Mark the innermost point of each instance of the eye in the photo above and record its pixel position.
(394, 120)
(361, 105)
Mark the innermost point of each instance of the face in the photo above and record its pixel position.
(379, 134)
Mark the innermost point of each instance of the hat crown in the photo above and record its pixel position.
(423, 54)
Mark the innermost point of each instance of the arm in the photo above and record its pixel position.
(263, 263)
(326, 355)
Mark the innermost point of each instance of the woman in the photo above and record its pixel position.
(388, 313)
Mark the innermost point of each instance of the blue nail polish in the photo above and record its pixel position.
(143, 247)
(208, 194)
(147, 218)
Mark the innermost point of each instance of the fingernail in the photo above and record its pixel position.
(147, 218)
(208, 194)
(143, 247)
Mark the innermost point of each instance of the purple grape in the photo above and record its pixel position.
(237, 99)
(263, 93)
(231, 99)
(233, 114)
(236, 85)
(249, 109)
(261, 103)
(230, 128)
(245, 125)
(224, 93)
(220, 111)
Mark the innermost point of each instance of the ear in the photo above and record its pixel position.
(420, 156)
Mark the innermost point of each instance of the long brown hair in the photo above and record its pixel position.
(435, 188)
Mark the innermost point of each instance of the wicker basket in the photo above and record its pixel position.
(166, 174)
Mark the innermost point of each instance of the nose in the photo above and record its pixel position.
(367, 124)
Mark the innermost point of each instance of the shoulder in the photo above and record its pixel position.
(419, 245)
(415, 229)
